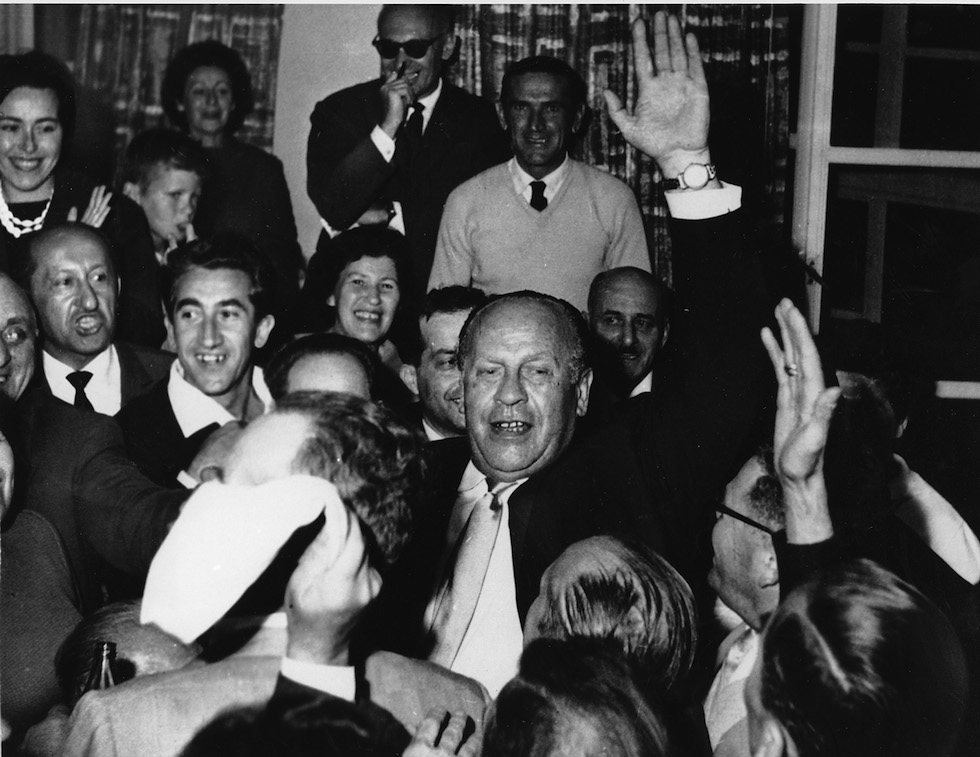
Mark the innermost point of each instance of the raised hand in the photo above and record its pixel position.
(429, 743)
(97, 210)
(804, 408)
(330, 588)
(670, 120)
(396, 96)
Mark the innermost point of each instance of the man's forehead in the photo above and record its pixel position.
(14, 305)
(540, 85)
(521, 320)
(408, 22)
(214, 284)
(442, 329)
(70, 245)
(628, 291)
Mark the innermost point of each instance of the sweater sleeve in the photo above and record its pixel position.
(624, 224)
(453, 261)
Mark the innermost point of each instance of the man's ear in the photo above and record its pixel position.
(664, 333)
(449, 48)
(773, 740)
(410, 378)
(501, 115)
(579, 117)
(582, 391)
(332, 301)
(263, 330)
(132, 191)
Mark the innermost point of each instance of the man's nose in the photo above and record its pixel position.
(628, 335)
(210, 333)
(538, 120)
(511, 390)
(89, 299)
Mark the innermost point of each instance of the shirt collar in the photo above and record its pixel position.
(430, 432)
(645, 385)
(522, 179)
(472, 477)
(194, 410)
(429, 102)
(99, 366)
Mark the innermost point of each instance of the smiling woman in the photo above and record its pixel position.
(37, 117)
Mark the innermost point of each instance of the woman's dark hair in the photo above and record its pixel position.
(570, 690)
(368, 242)
(42, 71)
(856, 662)
(214, 54)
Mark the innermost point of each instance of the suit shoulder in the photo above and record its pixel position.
(145, 409)
(349, 97)
(156, 362)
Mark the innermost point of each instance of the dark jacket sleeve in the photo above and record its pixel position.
(345, 173)
(122, 515)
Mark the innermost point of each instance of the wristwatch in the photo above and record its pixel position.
(695, 176)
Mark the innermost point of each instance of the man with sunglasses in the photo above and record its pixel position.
(391, 150)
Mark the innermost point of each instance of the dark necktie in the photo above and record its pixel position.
(538, 201)
(79, 380)
(411, 136)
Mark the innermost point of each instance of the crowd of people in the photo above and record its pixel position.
(472, 481)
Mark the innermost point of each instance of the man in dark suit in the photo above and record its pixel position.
(73, 286)
(82, 516)
(217, 316)
(526, 379)
(391, 150)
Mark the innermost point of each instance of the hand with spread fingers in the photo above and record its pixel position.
(670, 120)
(429, 742)
(97, 210)
(330, 588)
(804, 408)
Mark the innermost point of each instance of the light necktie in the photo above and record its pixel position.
(538, 201)
(460, 590)
(79, 380)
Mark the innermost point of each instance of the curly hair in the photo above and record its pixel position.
(210, 53)
(372, 458)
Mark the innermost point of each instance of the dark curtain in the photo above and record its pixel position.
(122, 52)
(745, 49)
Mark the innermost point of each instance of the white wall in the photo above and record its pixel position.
(324, 48)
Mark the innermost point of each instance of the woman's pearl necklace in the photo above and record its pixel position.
(16, 227)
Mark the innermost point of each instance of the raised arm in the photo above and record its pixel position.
(804, 408)
(670, 120)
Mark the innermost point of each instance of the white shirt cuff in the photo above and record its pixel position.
(704, 203)
(384, 143)
(337, 680)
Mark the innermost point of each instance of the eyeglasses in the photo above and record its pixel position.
(720, 508)
(414, 48)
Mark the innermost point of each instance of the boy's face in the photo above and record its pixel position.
(169, 200)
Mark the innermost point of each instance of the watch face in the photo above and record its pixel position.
(696, 175)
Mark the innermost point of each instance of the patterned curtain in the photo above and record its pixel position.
(122, 53)
(745, 48)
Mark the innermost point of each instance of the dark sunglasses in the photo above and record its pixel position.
(720, 508)
(414, 48)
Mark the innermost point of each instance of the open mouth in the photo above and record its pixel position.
(26, 164)
(209, 359)
(89, 324)
(368, 315)
(510, 428)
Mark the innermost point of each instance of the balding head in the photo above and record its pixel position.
(74, 288)
(19, 334)
(628, 315)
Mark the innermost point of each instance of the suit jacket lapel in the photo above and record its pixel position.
(134, 378)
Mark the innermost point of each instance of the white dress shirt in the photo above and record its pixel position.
(194, 410)
(522, 180)
(492, 645)
(104, 389)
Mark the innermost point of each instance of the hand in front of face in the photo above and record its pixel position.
(670, 120)
(97, 210)
(329, 589)
(428, 742)
(189, 236)
(396, 96)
